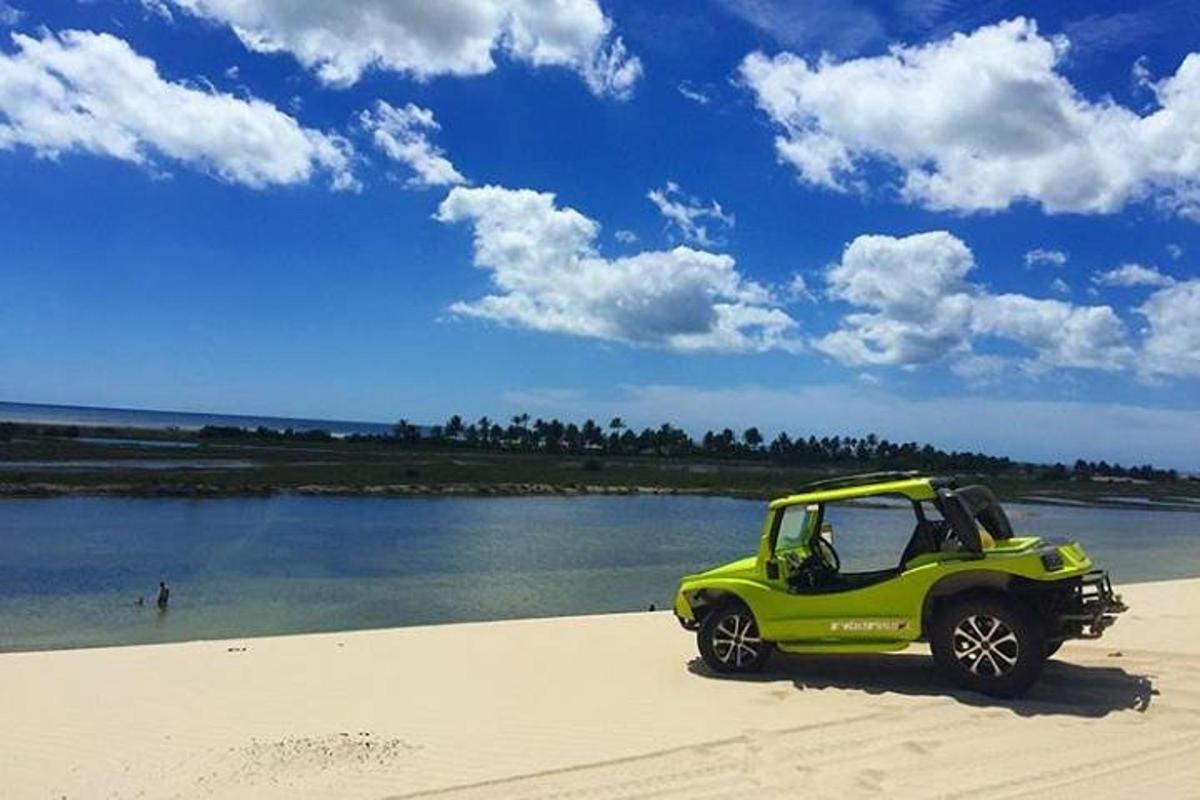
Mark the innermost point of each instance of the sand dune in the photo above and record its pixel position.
(595, 707)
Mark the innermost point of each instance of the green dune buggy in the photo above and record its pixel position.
(993, 606)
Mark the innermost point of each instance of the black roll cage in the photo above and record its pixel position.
(970, 507)
(963, 508)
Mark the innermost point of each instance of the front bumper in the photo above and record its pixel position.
(1093, 607)
(683, 613)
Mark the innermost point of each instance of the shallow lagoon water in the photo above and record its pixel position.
(71, 568)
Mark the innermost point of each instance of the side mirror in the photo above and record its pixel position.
(773, 569)
(827, 531)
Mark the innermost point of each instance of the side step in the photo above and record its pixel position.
(842, 646)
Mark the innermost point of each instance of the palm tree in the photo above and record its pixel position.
(401, 430)
(752, 438)
(520, 429)
(591, 433)
(615, 440)
(573, 437)
(554, 433)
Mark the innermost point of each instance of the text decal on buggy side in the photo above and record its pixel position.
(868, 625)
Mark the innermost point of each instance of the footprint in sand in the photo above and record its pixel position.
(921, 748)
(871, 780)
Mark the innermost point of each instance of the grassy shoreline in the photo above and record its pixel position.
(128, 462)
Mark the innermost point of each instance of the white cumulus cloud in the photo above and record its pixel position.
(549, 277)
(916, 301)
(1172, 346)
(692, 93)
(84, 92)
(402, 134)
(342, 40)
(1060, 333)
(979, 121)
(625, 236)
(914, 305)
(1132, 275)
(689, 216)
(798, 290)
(1040, 255)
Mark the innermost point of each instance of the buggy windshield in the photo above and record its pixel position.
(796, 526)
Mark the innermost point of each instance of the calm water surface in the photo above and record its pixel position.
(71, 568)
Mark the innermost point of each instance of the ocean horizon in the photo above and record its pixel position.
(157, 419)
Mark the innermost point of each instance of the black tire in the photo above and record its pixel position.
(729, 640)
(986, 643)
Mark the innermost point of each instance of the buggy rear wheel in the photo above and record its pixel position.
(729, 640)
(985, 643)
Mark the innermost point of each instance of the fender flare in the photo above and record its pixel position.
(711, 596)
(960, 583)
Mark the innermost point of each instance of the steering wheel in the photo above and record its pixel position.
(824, 551)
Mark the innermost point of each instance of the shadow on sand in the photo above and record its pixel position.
(1063, 689)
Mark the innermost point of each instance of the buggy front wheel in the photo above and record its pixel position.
(729, 640)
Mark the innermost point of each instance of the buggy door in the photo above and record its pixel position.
(869, 600)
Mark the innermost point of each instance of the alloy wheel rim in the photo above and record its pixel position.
(986, 646)
(736, 641)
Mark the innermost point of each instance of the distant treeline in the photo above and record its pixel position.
(10, 429)
(263, 432)
(522, 434)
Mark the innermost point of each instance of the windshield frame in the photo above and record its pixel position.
(810, 512)
(777, 516)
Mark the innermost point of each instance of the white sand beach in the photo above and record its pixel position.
(597, 707)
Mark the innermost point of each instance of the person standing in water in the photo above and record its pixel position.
(164, 595)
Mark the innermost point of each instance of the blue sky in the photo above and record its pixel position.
(992, 208)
